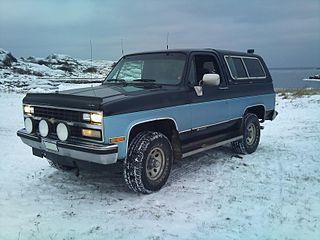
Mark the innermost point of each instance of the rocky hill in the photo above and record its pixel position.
(32, 73)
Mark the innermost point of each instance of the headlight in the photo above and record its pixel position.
(28, 110)
(44, 128)
(62, 131)
(95, 118)
(28, 124)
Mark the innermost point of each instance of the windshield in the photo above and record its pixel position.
(158, 68)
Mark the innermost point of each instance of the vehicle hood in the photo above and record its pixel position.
(103, 91)
(112, 99)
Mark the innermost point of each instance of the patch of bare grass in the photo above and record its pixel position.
(297, 93)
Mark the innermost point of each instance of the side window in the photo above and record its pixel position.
(240, 67)
(203, 64)
(241, 71)
(254, 67)
(232, 67)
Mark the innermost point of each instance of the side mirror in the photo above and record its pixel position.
(212, 79)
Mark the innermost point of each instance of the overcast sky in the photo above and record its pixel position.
(284, 32)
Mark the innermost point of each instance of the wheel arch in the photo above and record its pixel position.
(258, 109)
(167, 126)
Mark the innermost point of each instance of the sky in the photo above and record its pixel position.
(286, 33)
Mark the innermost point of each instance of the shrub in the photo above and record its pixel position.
(90, 70)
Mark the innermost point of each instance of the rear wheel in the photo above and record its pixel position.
(251, 135)
(148, 164)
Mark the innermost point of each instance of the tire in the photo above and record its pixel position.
(148, 163)
(251, 135)
(59, 166)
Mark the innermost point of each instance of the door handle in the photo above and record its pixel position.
(223, 88)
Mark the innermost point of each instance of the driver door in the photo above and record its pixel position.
(212, 107)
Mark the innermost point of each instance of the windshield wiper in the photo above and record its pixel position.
(143, 80)
(116, 80)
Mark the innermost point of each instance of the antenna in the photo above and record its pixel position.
(122, 46)
(91, 67)
(167, 40)
(91, 56)
(94, 92)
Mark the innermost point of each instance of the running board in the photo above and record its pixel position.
(207, 147)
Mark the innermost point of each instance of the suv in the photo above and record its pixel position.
(152, 109)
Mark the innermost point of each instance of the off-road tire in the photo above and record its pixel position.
(135, 169)
(241, 146)
(59, 166)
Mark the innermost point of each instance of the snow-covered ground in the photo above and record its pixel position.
(271, 194)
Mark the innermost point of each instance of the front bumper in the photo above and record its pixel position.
(90, 152)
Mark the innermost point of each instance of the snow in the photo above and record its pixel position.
(273, 193)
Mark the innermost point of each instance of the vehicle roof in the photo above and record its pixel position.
(189, 50)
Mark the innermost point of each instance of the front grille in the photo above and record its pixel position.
(59, 114)
(75, 131)
(55, 115)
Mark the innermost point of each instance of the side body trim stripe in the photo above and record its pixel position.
(121, 125)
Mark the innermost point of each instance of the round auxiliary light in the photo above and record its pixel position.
(28, 125)
(62, 131)
(43, 128)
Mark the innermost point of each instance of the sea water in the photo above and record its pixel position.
(293, 78)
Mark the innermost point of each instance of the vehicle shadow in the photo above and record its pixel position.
(93, 179)
(109, 179)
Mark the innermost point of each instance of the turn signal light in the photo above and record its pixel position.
(116, 139)
(91, 133)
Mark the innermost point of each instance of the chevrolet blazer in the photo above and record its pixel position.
(152, 109)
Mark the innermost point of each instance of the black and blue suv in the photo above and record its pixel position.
(154, 108)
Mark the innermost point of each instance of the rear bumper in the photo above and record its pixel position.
(274, 115)
(90, 152)
(271, 115)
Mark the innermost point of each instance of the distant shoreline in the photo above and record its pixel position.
(294, 68)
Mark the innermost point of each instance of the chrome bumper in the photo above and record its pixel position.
(90, 152)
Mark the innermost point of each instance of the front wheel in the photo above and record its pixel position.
(251, 135)
(148, 164)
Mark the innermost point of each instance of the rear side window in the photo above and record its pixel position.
(242, 68)
(236, 67)
(254, 67)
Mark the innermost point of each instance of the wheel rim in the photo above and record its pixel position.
(251, 134)
(155, 163)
